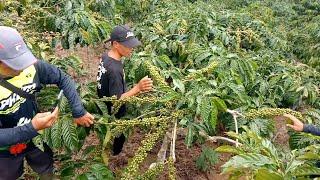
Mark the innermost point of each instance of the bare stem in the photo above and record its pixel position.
(235, 114)
(216, 138)
(173, 142)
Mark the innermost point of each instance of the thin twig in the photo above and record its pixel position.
(151, 113)
(173, 142)
(163, 150)
(235, 114)
(215, 138)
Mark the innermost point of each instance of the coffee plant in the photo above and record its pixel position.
(217, 66)
(258, 158)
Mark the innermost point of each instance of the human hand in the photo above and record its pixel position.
(86, 120)
(45, 120)
(145, 84)
(297, 124)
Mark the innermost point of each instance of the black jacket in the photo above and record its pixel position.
(16, 112)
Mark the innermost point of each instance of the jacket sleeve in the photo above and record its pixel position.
(10, 136)
(308, 128)
(49, 74)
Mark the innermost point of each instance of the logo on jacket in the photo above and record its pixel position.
(23, 121)
(101, 70)
(14, 98)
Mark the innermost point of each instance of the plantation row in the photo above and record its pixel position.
(217, 66)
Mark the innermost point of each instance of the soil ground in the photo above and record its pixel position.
(185, 158)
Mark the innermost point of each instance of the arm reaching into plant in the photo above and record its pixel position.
(144, 85)
(19, 134)
(300, 127)
(49, 74)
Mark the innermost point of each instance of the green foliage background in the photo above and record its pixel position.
(204, 56)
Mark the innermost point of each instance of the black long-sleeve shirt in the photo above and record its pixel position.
(111, 81)
(17, 112)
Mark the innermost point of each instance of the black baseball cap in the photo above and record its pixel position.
(125, 36)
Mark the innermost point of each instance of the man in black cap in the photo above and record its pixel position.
(111, 78)
(21, 76)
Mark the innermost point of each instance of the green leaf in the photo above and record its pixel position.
(102, 107)
(170, 97)
(82, 177)
(179, 84)
(306, 171)
(164, 58)
(202, 56)
(225, 38)
(204, 107)
(38, 141)
(249, 160)
(213, 118)
(68, 6)
(69, 134)
(68, 171)
(270, 148)
(2, 6)
(221, 105)
(314, 113)
(88, 150)
(207, 158)
(190, 135)
(263, 174)
(228, 149)
(100, 171)
(56, 133)
(47, 136)
(300, 88)
(107, 138)
(295, 140)
(309, 156)
(86, 36)
(293, 165)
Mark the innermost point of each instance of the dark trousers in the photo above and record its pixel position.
(11, 166)
(118, 144)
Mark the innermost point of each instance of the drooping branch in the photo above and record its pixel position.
(216, 138)
(235, 115)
